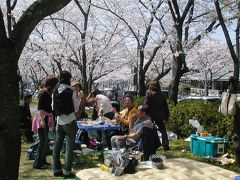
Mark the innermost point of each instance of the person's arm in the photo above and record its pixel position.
(42, 116)
(134, 136)
(146, 100)
(122, 118)
(41, 103)
(166, 107)
(81, 107)
(76, 104)
(133, 116)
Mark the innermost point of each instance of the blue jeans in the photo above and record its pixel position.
(42, 148)
(62, 131)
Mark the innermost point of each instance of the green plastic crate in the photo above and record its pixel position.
(208, 145)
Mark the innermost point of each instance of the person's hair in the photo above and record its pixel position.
(95, 92)
(27, 96)
(51, 82)
(144, 108)
(77, 83)
(154, 86)
(129, 96)
(116, 105)
(109, 94)
(65, 77)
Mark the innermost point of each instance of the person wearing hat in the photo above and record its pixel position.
(66, 106)
(80, 95)
(78, 89)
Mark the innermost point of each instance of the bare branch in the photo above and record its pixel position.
(14, 4)
(121, 18)
(31, 17)
(61, 19)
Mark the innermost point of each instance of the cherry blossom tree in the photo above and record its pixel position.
(13, 36)
(208, 62)
(143, 28)
(229, 6)
(84, 42)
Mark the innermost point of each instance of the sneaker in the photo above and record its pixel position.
(58, 174)
(72, 175)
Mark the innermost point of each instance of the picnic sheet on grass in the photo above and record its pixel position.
(177, 168)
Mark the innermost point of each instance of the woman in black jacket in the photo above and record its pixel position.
(158, 109)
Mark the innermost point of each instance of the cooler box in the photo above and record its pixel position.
(208, 145)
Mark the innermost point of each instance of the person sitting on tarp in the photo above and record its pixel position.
(137, 129)
(125, 116)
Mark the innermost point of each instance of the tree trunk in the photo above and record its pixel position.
(176, 76)
(141, 76)
(141, 81)
(206, 88)
(234, 55)
(10, 143)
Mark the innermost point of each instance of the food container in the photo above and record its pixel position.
(208, 146)
(156, 161)
(204, 134)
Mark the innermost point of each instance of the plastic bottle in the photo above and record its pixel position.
(103, 167)
(101, 114)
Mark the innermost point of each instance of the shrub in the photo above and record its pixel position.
(138, 101)
(205, 112)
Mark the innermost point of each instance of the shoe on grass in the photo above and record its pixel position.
(72, 175)
(58, 174)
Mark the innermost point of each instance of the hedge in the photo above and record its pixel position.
(205, 112)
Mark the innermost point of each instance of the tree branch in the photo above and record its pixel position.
(225, 31)
(121, 18)
(3, 35)
(189, 4)
(14, 4)
(61, 19)
(31, 17)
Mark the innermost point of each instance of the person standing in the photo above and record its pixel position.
(66, 106)
(158, 109)
(42, 121)
(81, 97)
(26, 117)
(101, 107)
(236, 121)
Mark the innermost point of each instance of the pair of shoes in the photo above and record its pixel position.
(58, 174)
(72, 175)
(40, 167)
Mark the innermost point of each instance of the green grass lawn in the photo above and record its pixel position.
(27, 172)
(178, 149)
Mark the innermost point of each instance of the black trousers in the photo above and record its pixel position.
(163, 131)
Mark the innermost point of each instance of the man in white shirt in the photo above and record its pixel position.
(66, 106)
(102, 106)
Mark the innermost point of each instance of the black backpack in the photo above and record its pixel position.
(62, 102)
